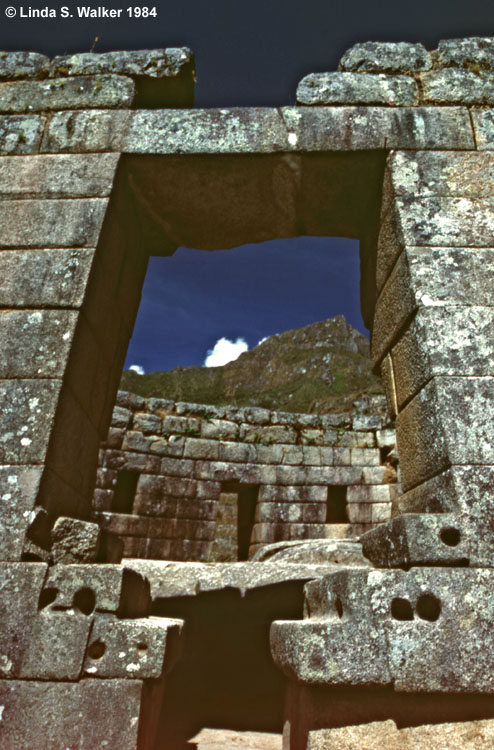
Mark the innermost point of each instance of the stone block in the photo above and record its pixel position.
(464, 52)
(128, 461)
(448, 174)
(56, 646)
(83, 92)
(207, 131)
(60, 176)
(374, 493)
(284, 493)
(41, 714)
(448, 341)
(14, 65)
(365, 457)
(413, 629)
(342, 456)
(148, 424)
(19, 597)
(385, 57)
(358, 439)
(209, 449)
(57, 223)
(457, 86)
(448, 422)
(256, 415)
(293, 455)
(354, 128)
(136, 441)
(162, 528)
(219, 429)
(132, 649)
(163, 77)
(444, 222)
(172, 446)
(363, 513)
(135, 546)
(355, 88)
(417, 539)
(207, 490)
(19, 487)
(44, 278)
(194, 530)
(194, 509)
(36, 343)
(21, 134)
(28, 409)
(177, 467)
(181, 426)
(123, 524)
(85, 132)
(267, 454)
(278, 513)
(429, 277)
(74, 541)
(483, 126)
(312, 455)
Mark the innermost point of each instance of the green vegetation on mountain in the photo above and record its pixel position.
(321, 368)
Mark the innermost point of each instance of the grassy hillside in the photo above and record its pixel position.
(320, 368)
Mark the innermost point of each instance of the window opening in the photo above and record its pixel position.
(124, 492)
(336, 511)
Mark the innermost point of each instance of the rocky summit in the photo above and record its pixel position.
(322, 367)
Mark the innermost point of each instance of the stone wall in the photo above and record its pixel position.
(398, 153)
(173, 470)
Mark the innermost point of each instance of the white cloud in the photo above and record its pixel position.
(138, 369)
(225, 351)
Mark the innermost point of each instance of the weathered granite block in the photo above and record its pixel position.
(149, 424)
(483, 126)
(457, 86)
(56, 223)
(44, 278)
(21, 134)
(108, 588)
(353, 128)
(19, 595)
(364, 457)
(19, 487)
(28, 409)
(36, 343)
(15, 65)
(74, 541)
(414, 630)
(429, 277)
(219, 429)
(478, 51)
(210, 449)
(465, 174)
(60, 176)
(373, 493)
(154, 63)
(56, 646)
(82, 92)
(363, 513)
(385, 57)
(206, 131)
(132, 649)
(136, 441)
(449, 341)
(448, 422)
(87, 131)
(41, 714)
(280, 513)
(418, 539)
(357, 88)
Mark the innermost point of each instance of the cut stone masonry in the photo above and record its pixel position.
(397, 153)
(310, 476)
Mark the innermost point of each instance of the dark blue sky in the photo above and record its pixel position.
(247, 53)
(193, 298)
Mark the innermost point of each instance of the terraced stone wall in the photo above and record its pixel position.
(186, 481)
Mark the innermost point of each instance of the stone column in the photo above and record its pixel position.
(433, 336)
